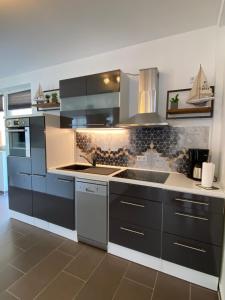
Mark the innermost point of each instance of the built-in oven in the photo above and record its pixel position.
(18, 137)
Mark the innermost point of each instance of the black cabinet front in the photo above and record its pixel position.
(56, 210)
(20, 188)
(142, 239)
(38, 146)
(107, 82)
(73, 87)
(192, 254)
(53, 199)
(20, 200)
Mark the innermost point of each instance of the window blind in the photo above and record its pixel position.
(1, 103)
(19, 100)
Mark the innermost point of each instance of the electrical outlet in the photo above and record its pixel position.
(141, 158)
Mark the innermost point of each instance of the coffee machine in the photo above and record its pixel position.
(196, 158)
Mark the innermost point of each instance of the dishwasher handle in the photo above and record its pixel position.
(91, 188)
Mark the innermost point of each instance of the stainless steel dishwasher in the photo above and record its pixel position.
(92, 212)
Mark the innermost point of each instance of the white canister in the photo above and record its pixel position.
(208, 170)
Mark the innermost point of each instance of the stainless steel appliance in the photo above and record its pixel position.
(91, 212)
(18, 137)
(147, 115)
(158, 177)
(196, 158)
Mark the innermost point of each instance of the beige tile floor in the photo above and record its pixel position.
(35, 264)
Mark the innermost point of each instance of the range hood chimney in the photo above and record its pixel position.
(147, 102)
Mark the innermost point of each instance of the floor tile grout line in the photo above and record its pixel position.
(91, 274)
(11, 293)
(153, 291)
(50, 282)
(77, 277)
(12, 266)
(55, 249)
(139, 283)
(121, 279)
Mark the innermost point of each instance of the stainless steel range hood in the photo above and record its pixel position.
(147, 102)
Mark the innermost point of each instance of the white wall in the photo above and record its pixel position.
(178, 58)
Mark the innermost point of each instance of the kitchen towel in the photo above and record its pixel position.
(208, 170)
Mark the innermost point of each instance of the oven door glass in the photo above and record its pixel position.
(19, 144)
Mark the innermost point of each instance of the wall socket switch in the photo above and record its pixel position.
(141, 158)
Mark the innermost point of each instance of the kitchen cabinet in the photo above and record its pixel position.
(20, 186)
(38, 145)
(73, 87)
(108, 82)
(54, 200)
(135, 217)
(193, 231)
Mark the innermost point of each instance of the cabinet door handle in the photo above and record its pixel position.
(24, 174)
(191, 216)
(90, 191)
(132, 204)
(189, 247)
(38, 175)
(132, 231)
(64, 180)
(93, 124)
(190, 201)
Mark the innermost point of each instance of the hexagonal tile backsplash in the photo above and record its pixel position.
(163, 149)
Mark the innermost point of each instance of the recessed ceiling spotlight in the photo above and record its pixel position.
(106, 80)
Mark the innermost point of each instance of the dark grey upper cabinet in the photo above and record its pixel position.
(95, 84)
(73, 87)
(107, 82)
(37, 139)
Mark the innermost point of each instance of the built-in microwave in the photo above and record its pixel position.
(18, 137)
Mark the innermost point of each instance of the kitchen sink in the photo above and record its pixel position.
(75, 167)
(89, 169)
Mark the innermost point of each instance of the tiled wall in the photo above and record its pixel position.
(163, 149)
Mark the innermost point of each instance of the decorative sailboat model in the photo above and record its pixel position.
(201, 92)
(39, 96)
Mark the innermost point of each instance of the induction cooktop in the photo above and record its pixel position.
(158, 177)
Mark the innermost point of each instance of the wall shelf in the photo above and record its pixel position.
(191, 110)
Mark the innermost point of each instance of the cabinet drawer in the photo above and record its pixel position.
(21, 180)
(192, 201)
(189, 253)
(136, 211)
(133, 190)
(135, 237)
(60, 185)
(195, 224)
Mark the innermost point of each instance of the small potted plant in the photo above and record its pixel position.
(174, 102)
(47, 98)
(55, 98)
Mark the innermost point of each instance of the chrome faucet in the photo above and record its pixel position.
(92, 160)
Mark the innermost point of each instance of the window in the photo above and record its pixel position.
(19, 100)
(1, 102)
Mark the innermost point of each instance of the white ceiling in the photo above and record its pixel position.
(40, 33)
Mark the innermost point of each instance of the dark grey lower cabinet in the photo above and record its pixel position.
(53, 199)
(135, 217)
(192, 254)
(138, 238)
(53, 209)
(20, 200)
(20, 189)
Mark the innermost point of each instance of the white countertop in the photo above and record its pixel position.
(175, 181)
